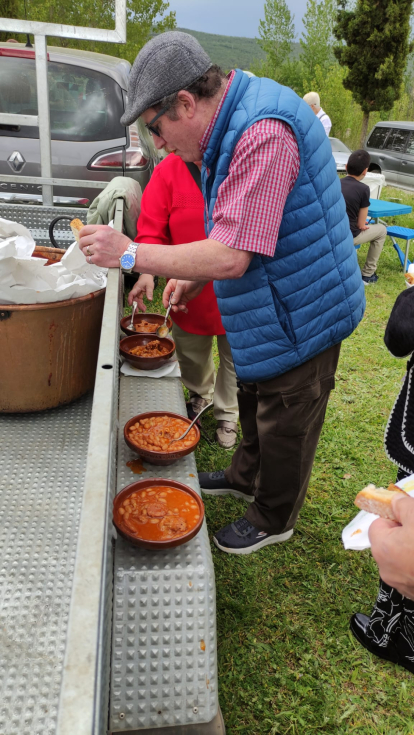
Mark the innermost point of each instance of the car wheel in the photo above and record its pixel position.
(375, 170)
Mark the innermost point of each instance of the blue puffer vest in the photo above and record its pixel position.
(288, 308)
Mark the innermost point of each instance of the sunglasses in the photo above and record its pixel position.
(150, 125)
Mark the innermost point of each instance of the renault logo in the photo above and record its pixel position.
(16, 161)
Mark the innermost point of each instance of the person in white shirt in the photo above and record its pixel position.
(314, 102)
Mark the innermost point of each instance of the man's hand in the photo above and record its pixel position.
(143, 287)
(184, 291)
(364, 227)
(102, 245)
(392, 546)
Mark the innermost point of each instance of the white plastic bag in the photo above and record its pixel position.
(27, 280)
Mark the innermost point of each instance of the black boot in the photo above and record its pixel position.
(389, 632)
(359, 625)
(405, 641)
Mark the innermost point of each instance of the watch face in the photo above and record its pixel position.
(127, 261)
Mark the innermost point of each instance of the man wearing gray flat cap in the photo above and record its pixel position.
(168, 63)
(279, 251)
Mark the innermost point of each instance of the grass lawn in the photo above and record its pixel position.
(287, 661)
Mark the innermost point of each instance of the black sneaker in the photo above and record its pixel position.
(368, 280)
(241, 537)
(215, 483)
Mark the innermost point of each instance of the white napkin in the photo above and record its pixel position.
(170, 369)
(27, 280)
(355, 534)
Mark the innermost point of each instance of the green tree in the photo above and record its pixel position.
(317, 39)
(345, 114)
(8, 9)
(145, 18)
(374, 45)
(277, 33)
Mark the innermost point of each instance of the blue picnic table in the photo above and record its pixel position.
(379, 208)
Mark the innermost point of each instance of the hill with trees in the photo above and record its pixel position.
(229, 51)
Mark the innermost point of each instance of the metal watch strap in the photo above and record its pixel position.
(132, 248)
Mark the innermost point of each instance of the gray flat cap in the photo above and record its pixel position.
(166, 64)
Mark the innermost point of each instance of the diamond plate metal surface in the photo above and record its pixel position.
(164, 658)
(42, 468)
(37, 219)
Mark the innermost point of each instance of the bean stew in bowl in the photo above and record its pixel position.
(144, 323)
(150, 435)
(147, 351)
(158, 513)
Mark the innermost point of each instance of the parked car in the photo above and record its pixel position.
(340, 152)
(391, 147)
(87, 96)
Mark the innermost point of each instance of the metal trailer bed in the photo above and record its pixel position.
(97, 636)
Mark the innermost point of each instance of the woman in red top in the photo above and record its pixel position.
(172, 213)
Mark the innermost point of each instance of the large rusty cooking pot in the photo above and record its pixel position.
(48, 352)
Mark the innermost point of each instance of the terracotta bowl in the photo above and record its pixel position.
(52, 255)
(161, 459)
(144, 543)
(145, 363)
(157, 319)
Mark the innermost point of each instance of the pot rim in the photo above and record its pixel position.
(52, 304)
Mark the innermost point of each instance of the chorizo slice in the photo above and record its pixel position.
(156, 509)
(173, 523)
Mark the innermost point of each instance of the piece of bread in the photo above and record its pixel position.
(378, 500)
(76, 225)
(409, 277)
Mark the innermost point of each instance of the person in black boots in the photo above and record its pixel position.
(389, 631)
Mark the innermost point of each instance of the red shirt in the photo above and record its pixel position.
(262, 172)
(172, 213)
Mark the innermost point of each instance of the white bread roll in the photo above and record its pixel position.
(378, 500)
(76, 225)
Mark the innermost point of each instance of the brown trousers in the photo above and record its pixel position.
(281, 421)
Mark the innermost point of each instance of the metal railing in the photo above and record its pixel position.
(84, 696)
(42, 119)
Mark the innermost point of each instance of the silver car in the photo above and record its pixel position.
(340, 152)
(391, 147)
(87, 96)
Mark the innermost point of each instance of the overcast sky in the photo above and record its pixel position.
(228, 17)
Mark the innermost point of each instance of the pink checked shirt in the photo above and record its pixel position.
(262, 172)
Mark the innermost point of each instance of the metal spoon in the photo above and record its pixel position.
(209, 405)
(134, 308)
(162, 330)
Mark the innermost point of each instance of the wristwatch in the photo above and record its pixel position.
(127, 259)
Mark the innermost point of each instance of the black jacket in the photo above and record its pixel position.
(399, 339)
